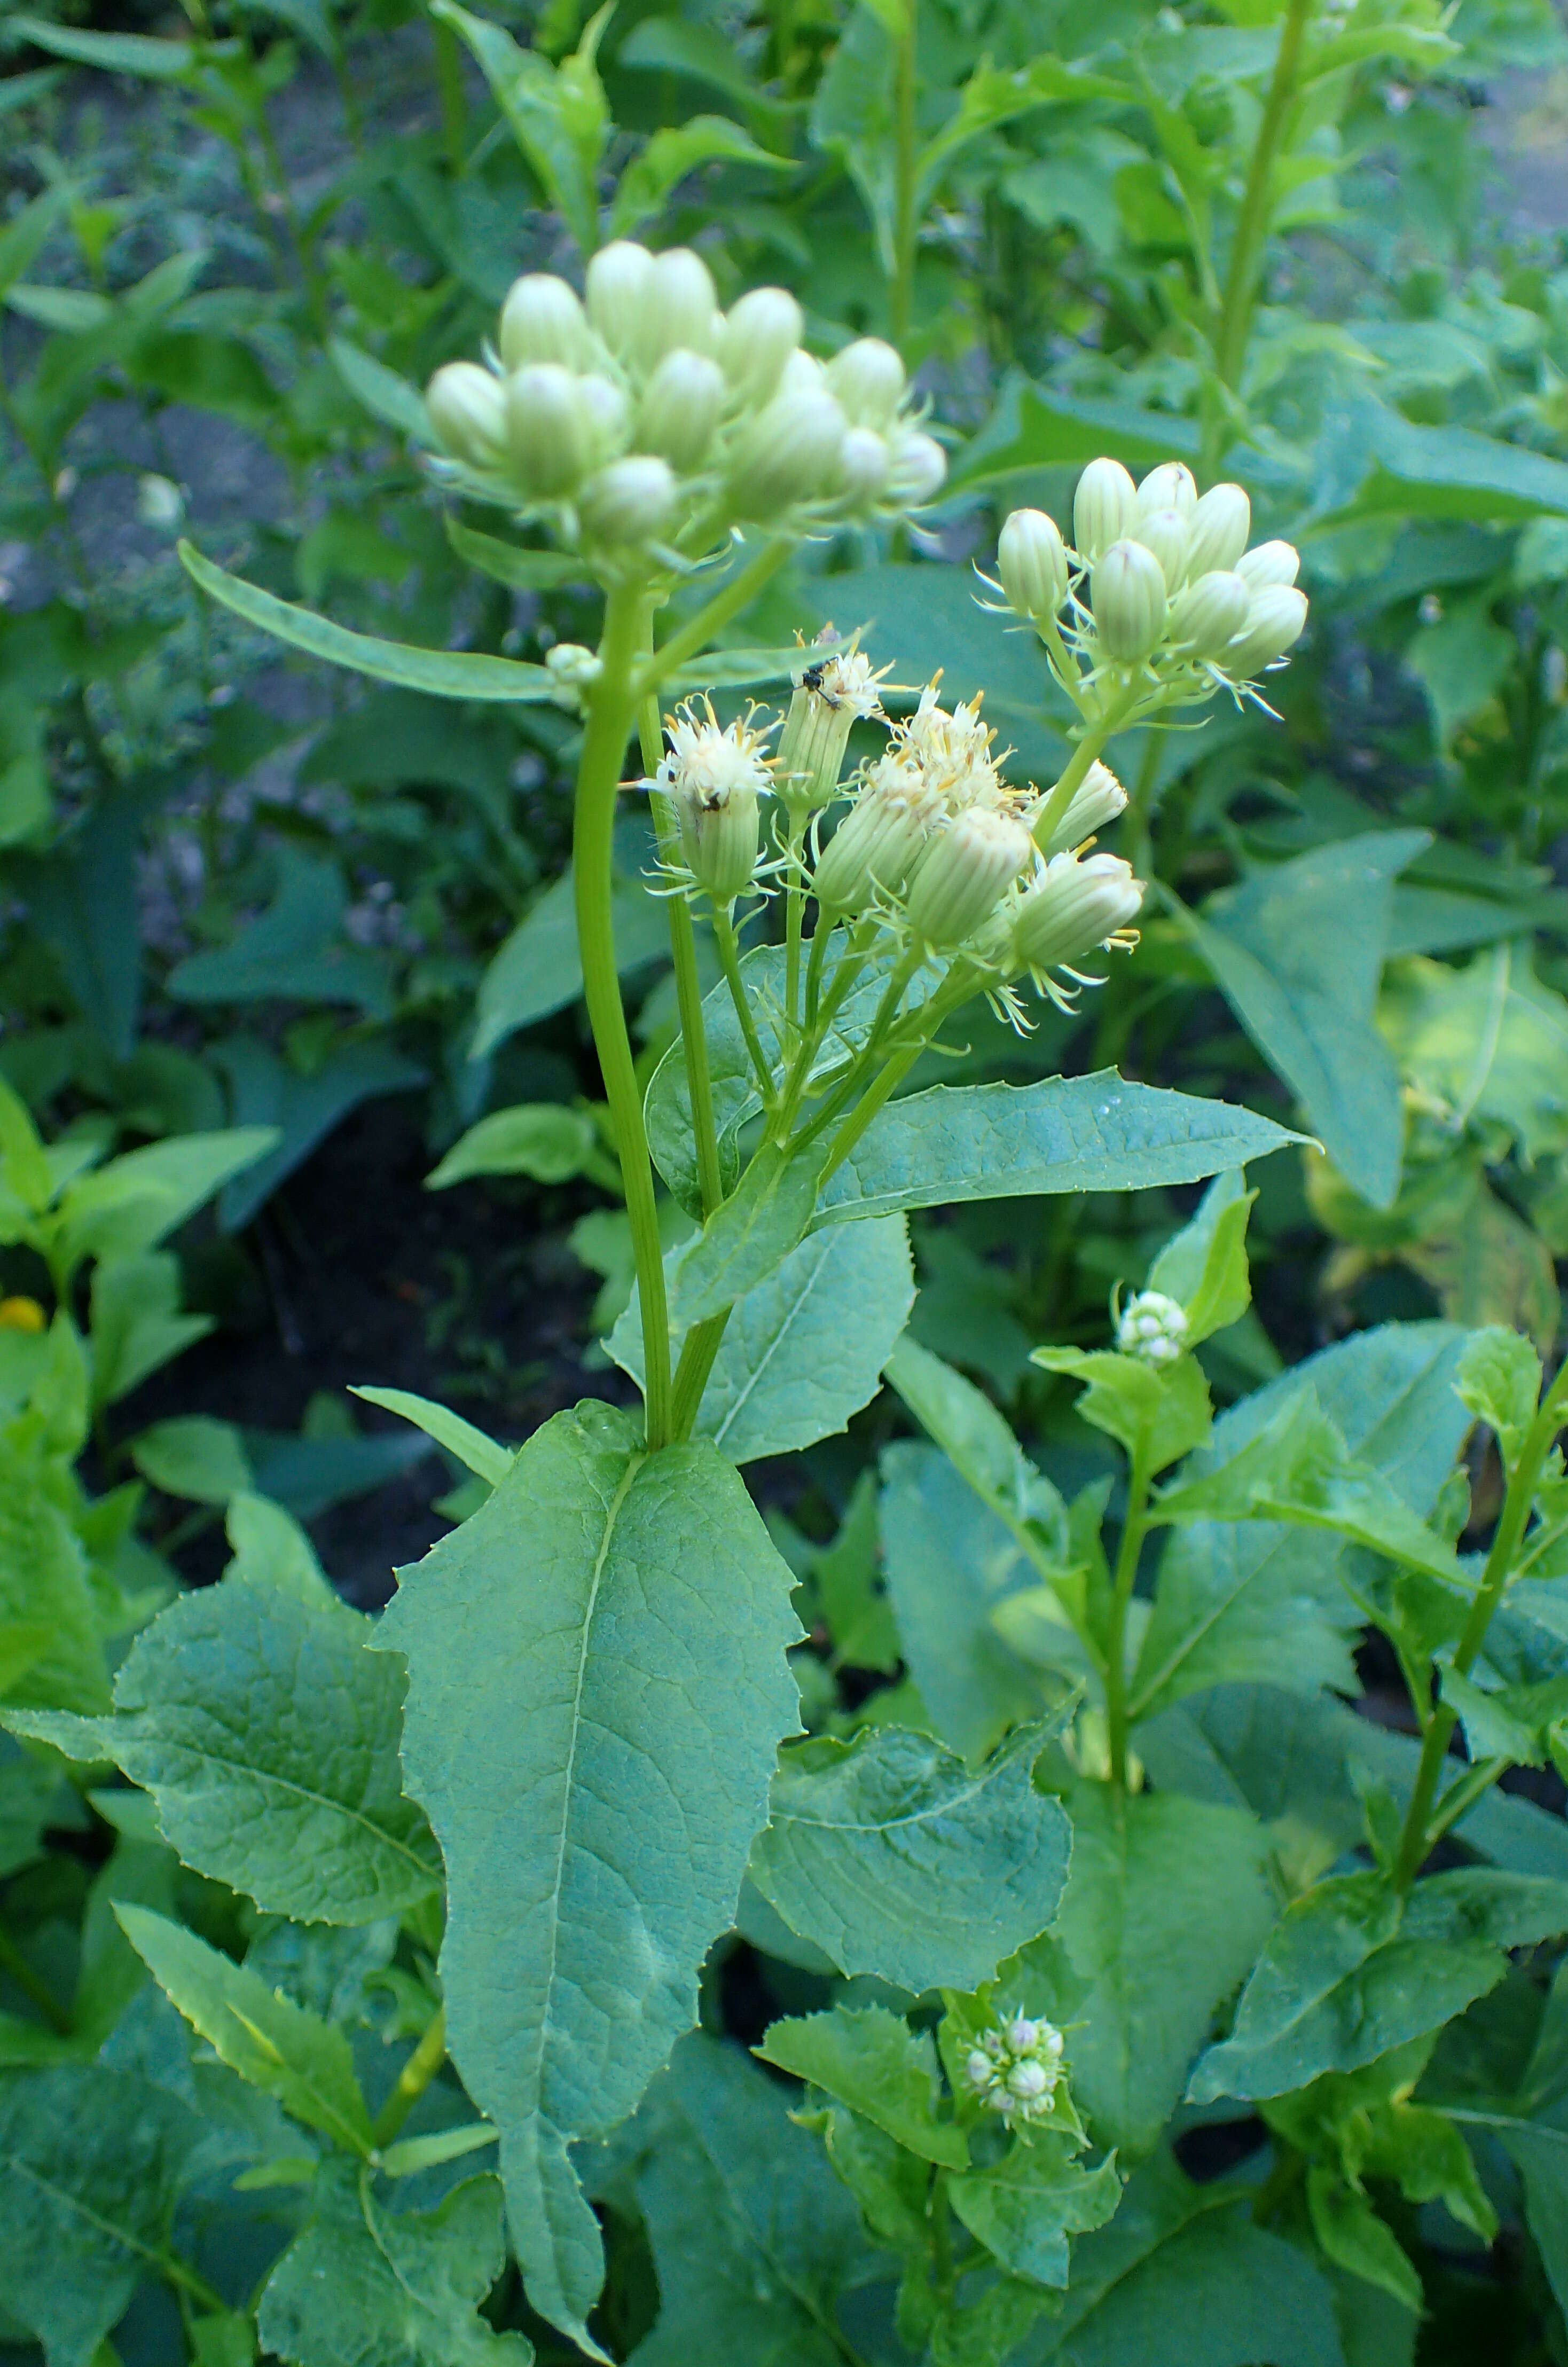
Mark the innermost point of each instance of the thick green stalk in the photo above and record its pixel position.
(1097, 738)
(612, 708)
(412, 2081)
(1417, 1838)
(688, 982)
(1132, 1529)
(1252, 222)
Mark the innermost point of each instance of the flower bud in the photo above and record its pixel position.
(1032, 564)
(1166, 533)
(1220, 525)
(1153, 1328)
(1078, 903)
(919, 467)
(573, 669)
(761, 331)
(680, 408)
(678, 309)
(606, 416)
(964, 872)
(864, 461)
(878, 840)
(548, 432)
(1128, 593)
(1098, 798)
(831, 694)
(714, 780)
(1029, 2081)
(631, 501)
(978, 2068)
(620, 281)
(542, 320)
(1210, 614)
(1270, 562)
(467, 413)
(1021, 2035)
(787, 455)
(1171, 486)
(868, 377)
(1277, 614)
(720, 840)
(1102, 508)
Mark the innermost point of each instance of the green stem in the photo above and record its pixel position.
(13, 1962)
(1097, 737)
(1132, 1530)
(738, 593)
(729, 962)
(611, 711)
(412, 2081)
(1252, 222)
(815, 964)
(1460, 1797)
(449, 84)
(794, 916)
(1417, 1838)
(901, 295)
(688, 982)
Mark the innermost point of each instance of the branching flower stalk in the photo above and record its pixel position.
(652, 434)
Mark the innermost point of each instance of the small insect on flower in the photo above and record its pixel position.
(1153, 1328)
(715, 776)
(837, 689)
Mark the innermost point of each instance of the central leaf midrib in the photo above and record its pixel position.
(612, 1514)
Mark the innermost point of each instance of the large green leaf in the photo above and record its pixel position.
(44, 1581)
(1024, 2206)
(1167, 1907)
(276, 2045)
(363, 2286)
(949, 1562)
(752, 2234)
(597, 1686)
(1256, 1601)
(267, 1731)
(91, 2163)
(894, 1859)
(135, 1201)
(1305, 990)
(538, 969)
(1182, 2278)
(1352, 1971)
(1035, 427)
(870, 2060)
(1067, 1134)
(442, 673)
(803, 1350)
(1398, 468)
(748, 1235)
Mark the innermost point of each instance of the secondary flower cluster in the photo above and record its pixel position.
(1016, 2071)
(1158, 590)
(936, 848)
(646, 418)
(1153, 1328)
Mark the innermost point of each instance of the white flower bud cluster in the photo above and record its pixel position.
(1159, 582)
(1016, 2069)
(643, 417)
(1153, 1328)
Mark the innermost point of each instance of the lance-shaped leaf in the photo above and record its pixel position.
(280, 2047)
(557, 113)
(871, 2060)
(597, 1686)
(893, 1858)
(361, 2286)
(442, 673)
(1352, 1971)
(267, 1731)
(1068, 1134)
(91, 2163)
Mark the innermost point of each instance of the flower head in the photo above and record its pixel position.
(1153, 1328)
(715, 776)
(1017, 2071)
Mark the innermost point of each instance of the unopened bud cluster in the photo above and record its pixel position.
(1016, 2069)
(643, 417)
(1153, 1328)
(1158, 583)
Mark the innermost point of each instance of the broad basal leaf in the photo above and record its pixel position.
(895, 1859)
(597, 1687)
(278, 2047)
(753, 2235)
(364, 2287)
(1182, 2278)
(267, 1731)
(1165, 1908)
(90, 2167)
(1351, 1971)
(870, 2060)
(1257, 1601)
